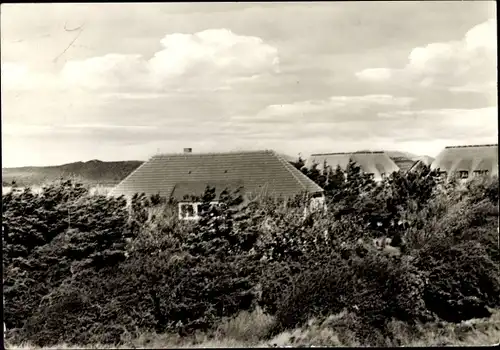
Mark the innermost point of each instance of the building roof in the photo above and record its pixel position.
(175, 175)
(403, 163)
(375, 163)
(186, 188)
(468, 158)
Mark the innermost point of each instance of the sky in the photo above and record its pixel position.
(127, 81)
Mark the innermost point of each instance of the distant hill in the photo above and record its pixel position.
(94, 172)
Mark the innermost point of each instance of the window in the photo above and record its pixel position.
(480, 172)
(191, 210)
(187, 211)
(464, 174)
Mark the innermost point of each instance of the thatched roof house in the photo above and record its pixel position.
(468, 161)
(378, 164)
(174, 176)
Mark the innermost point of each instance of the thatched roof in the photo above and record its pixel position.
(468, 158)
(376, 163)
(189, 173)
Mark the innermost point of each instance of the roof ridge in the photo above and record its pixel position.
(348, 153)
(126, 178)
(295, 172)
(209, 153)
(467, 146)
(284, 161)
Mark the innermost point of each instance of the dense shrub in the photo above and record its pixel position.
(163, 293)
(82, 268)
(374, 286)
(463, 280)
(62, 230)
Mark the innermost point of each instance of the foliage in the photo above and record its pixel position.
(463, 280)
(375, 287)
(81, 268)
(54, 234)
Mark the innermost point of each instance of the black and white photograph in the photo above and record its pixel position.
(249, 174)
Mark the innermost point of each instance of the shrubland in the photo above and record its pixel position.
(384, 265)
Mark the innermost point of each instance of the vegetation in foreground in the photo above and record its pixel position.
(82, 268)
(248, 329)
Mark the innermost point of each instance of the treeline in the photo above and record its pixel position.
(81, 268)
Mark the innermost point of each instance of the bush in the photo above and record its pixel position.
(60, 231)
(375, 287)
(69, 249)
(463, 280)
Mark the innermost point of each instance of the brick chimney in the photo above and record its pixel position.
(188, 150)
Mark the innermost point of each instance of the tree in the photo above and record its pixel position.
(299, 164)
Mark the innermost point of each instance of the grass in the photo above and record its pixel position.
(248, 329)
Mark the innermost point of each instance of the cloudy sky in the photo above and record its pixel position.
(125, 81)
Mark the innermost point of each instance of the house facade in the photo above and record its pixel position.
(255, 173)
(467, 162)
(376, 164)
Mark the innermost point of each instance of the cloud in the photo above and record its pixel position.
(335, 108)
(371, 121)
(20, 77)
(419, 131)
(207, 59)
(446, 124)
(265, 84)
(375, 74)
(465, 65)
(112, 71)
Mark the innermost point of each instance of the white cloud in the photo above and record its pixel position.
(210, 60)
(205, 60)
(20, 130)
(19, 76)
(476, 87)
(133, 96)
(375, 74)
(214, 49)
(457, 125)
(338, 108)
(109, 71)
(11, 72)
(349, 123)
(453, 65)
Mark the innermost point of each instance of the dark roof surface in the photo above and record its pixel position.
(195, 188)
(176, 175)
